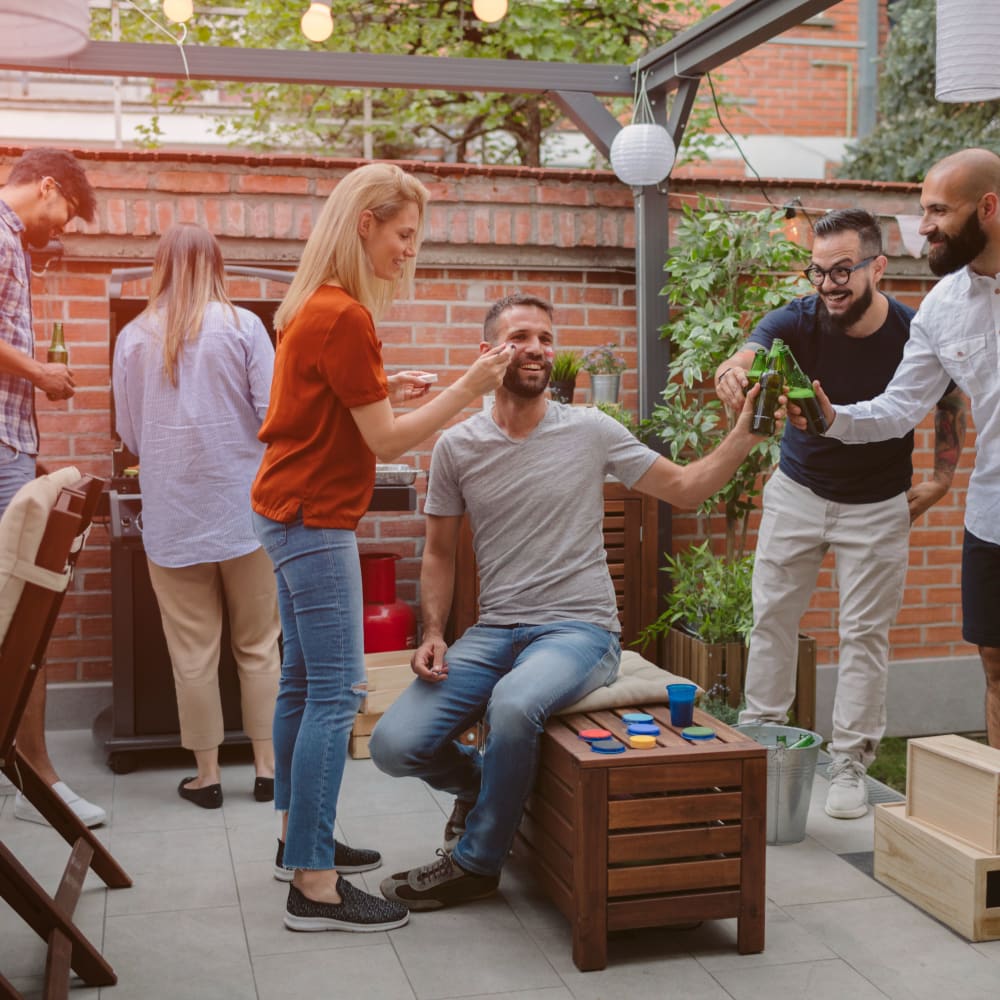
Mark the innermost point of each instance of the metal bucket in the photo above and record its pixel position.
(790, 773)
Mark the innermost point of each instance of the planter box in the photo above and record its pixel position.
(725, 663)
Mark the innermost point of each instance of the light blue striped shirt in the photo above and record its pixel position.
(197, 443)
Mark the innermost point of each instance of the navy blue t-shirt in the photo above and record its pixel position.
(850, 369)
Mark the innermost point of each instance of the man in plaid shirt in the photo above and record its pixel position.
(44, 190)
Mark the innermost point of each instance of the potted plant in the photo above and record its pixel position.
(562, 380)
(605, 368)
(727, 270)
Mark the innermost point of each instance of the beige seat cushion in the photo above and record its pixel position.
(21, 530)
(639, 682)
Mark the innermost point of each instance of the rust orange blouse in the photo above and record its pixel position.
(328, 360)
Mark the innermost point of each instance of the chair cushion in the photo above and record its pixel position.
(639, 682)
(21, 531)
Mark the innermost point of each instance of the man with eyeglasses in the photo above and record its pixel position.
(955, 335)
(856, 501)
(43, 191)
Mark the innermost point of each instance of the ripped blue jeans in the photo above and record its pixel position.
(322, 678)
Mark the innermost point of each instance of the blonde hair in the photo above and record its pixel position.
(334, 251)
(188, 273)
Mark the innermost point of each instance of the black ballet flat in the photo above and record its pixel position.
(263, 789)
(209, 797)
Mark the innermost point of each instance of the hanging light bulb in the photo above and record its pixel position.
(178, 10)
(489, 11)
(317, 21)
(643, 152)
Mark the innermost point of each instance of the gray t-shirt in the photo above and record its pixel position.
(537, 509)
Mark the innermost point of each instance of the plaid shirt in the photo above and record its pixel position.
(17, 395)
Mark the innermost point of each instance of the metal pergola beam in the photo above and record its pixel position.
(723, 36)
(333, 69)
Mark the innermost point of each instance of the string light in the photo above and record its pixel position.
(178, 10)
(317, 21)
(489, 11)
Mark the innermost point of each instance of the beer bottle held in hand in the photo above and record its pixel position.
(802, 394)
(771, 383)
(758, 367)
(58, 355)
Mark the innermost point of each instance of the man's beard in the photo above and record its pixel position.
(513, 384)
(842, 322)
(958, 250)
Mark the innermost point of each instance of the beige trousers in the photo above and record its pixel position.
(191, 602)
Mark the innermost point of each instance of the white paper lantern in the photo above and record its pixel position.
(968, 51)
(642, 153)
(31, 29)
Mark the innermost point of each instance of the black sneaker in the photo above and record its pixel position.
(441, 883)
(347, 861)
(357, 911)
(455, 826)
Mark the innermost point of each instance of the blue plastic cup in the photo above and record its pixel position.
(681, 697)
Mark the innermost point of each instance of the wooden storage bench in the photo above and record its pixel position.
(647, 838)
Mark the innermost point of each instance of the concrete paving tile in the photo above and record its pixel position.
(555, 993)
(832, 979)
(639, 964)
(904, 952)
(366, 791)
(841, 836)
(785, 941)
(372, 973)
(808, 873)
(182, 953)
(481, 944)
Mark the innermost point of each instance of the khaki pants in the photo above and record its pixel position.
(871, 544)
(190, 599)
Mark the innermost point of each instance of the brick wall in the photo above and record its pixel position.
(568, 236)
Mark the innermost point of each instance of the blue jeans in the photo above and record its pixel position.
(16, 469)
(322, 678)
(519, 677)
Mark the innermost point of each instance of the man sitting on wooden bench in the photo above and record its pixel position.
(531, 476)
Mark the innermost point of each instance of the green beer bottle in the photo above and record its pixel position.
(771, 383)
(758, 367)
(801, 393)
(58, 355)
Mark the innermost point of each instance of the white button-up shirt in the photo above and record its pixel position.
(955, 334)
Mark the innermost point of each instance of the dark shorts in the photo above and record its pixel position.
(980, 591)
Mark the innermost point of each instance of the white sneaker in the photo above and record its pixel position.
(87, 812)
(848, 794)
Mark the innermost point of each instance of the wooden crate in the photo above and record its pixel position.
(389, 674)
(648, 838)
(944, 876)
(953, 784)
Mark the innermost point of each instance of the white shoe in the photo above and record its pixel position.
(848, 794)
(87, 812)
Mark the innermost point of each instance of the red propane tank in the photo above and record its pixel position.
(389, 624)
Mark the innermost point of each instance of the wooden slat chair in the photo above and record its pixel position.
(41, 534)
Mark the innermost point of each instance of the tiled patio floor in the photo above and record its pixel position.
(203, 919)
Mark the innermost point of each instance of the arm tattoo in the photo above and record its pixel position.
(949, 435)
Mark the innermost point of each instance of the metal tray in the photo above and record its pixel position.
(394, 475)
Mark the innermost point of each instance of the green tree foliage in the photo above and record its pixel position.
(727, 271)
(468, 126)
(915, 129)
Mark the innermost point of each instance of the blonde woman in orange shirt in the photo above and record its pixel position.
(329, 419)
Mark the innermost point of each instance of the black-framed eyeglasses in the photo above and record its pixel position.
(839, 275)
(69, 201)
